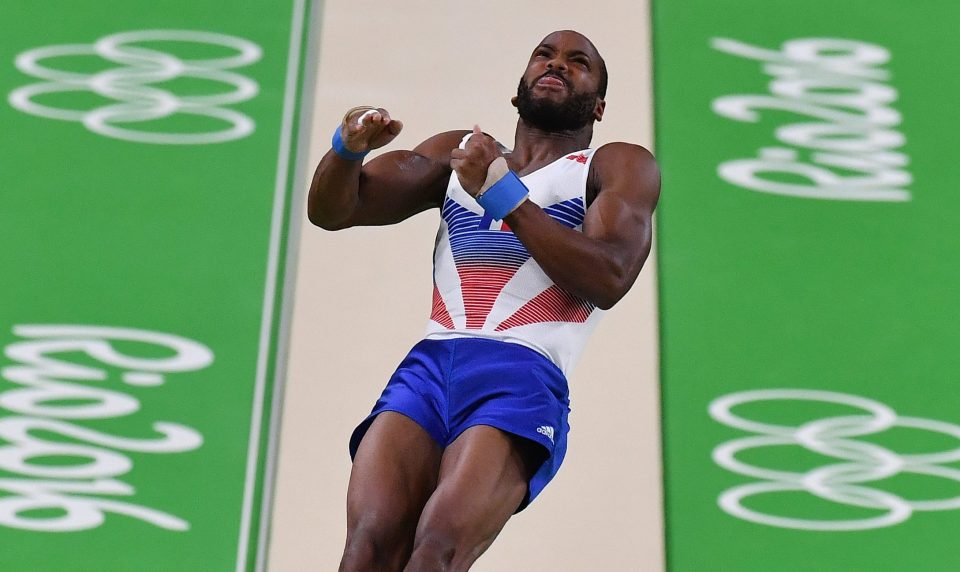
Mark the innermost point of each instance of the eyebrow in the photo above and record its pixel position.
(571, 52)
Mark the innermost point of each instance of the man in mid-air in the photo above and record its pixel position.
(534, 243)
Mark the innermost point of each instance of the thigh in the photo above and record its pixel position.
(395, 470)
(483, 479)
(516, 390)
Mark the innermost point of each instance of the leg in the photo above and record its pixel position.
(394, 472)
(483, 479)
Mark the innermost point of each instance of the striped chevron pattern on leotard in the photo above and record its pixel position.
(439, 312)
(487, 257)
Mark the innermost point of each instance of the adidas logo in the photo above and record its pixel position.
(546, 430)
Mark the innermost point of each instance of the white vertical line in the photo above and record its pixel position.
(276, 226)
(294, 225)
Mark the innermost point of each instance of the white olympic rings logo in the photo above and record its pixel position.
(842, 482)
(135, 83)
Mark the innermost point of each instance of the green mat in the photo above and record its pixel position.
(148, 151)
(809, 284)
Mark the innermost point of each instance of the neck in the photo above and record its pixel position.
(533, 147)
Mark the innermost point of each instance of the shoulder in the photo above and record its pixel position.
(439, 146)
(618, 157)
(627, 168)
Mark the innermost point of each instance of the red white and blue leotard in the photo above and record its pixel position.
(487, 285)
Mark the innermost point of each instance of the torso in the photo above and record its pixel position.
(487, 284)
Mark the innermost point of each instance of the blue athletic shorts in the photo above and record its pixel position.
(447, 386)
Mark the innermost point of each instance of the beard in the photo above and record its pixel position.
(571, 114)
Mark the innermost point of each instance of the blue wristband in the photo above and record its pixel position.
(503, 196)
(340, 149)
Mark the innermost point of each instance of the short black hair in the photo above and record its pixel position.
(602, 88)
(604, 77)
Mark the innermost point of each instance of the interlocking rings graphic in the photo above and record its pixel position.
(842, 482)
(133, 83)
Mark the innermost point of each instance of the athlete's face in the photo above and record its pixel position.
(559, 90)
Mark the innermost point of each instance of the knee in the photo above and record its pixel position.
(446, 548)
(433, 549)
(374, 544)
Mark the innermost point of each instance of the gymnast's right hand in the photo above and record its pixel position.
(366, 128)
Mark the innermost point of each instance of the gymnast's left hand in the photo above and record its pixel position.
(471, 162)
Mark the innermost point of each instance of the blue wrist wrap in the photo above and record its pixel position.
(340, 149)
(503, 196)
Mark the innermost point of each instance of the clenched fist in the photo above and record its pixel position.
(367, 128)
(471, 162)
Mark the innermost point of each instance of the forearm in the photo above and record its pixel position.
(334, 192)
(586, 267)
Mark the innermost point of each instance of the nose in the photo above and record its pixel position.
(556, 63)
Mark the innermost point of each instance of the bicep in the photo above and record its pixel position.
(622, 225)
(621, 215)
(398, 185)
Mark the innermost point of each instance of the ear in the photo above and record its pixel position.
(598, 110)
(513, 101)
